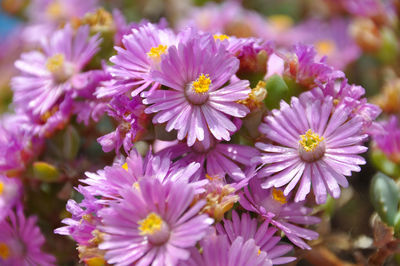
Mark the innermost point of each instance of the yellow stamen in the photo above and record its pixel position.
(336, 101)
(4, 251)
(156, 52)
(87, 217)
(99, 20)
(202, 84)
(256, 96)
(221, 37)
(325, 47)
(278, 196)
(259, 252)
(54, 10)
(125, 166)
(310, 140)
(55, 63)
(212, 178)
(220, 201)
(1, 187)
(96, 261)
(49, 114)
(136, 185)
(150, 225)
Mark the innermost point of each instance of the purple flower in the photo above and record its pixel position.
(302, 66)
(217, 250)
(273, 206)
(195, 103)
(131, 120)
(43, 126)
(17, 145)
(10, 189)
(388, 139)
(364, 8)
(153, 224)
(314, 143)
(143, 50)
(217, 160)
(110, 181)
(345, 94)
(58, 12)
(227, 18)
(46, 76)
(262, 235)
(89, 107)
(21, 242)
(330, 39)
(84, 218)
(46, 16)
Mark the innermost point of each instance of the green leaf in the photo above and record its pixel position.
(45, 172)
(277, 90)
(384, 195)
(71, 143)
(383, 164)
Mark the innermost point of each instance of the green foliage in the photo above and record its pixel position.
(383, 164)
(384, 195)
(45, 172)
(277, 90)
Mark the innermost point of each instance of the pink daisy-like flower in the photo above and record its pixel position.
(273, 206)
(46, 76)
(141, 53)
(21, 242)
(218, 160)
(312, 144)
(217, 250)
(110, 181)
(196, 103)
(153, 224)
(263, 236)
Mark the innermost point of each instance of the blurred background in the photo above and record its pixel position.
(358, 37)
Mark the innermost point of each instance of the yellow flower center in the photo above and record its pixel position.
(125, 166)
(310, 140)
(278, 196)
(325, 47)
(281, 22)
(55, 63)
(96, 261)
(150, 225)
(221, 37)
(1, 187)
(4, 251)
(54, 10)
(202, 84)
(259, 252)
(156, 52)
